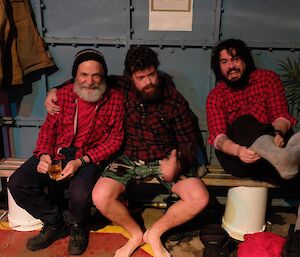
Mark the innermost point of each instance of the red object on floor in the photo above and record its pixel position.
(13, 244)
(261, 244)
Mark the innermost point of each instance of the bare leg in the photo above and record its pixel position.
(193, 198)
(105, 198)
(157, 247)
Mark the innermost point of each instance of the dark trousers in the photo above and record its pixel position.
(244, 131)
(47, 199)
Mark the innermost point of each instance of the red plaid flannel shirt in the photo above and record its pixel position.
(106, 133)
(264, 98)
(154, 129)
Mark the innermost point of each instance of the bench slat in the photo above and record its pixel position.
(233, 182)
(6, 173)
(216, 176)
(9, 165)
(215, 169)
(16, 160)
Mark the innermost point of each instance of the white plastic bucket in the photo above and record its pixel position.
(245, 211)
(19, 219)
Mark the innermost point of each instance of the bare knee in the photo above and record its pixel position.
(105, 191)
(199, 199)
(193, 192)
(98, 198)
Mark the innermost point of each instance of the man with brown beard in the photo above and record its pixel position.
(250, 126)
(83, 135)
(161, 142)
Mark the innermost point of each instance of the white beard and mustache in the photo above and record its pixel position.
(90, 93)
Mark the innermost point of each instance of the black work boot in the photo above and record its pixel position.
(215, 240)
(49, 234)
(292, 244)
(78, 239)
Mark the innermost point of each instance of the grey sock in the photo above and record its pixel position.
(285, 160)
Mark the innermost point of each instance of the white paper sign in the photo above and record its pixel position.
(171, 15)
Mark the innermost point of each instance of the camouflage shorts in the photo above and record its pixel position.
(130, 172)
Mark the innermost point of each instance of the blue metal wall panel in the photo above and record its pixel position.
(24, 140)
(270, 59)
(262, 20)
(84, 19)
(190, 70)
(271, 29)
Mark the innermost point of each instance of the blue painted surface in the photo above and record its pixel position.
(271, 29)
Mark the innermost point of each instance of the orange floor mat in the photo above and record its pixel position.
(102, 243)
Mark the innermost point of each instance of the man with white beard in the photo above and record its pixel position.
(87, 131)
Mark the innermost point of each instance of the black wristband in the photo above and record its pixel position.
(83, 163)
(278, 132)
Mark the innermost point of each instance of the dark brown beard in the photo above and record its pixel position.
(240, 83)
(154, 96)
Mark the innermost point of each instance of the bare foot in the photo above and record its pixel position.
(156, 245)
(128, 249)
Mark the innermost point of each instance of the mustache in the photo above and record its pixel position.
(233, 69)
(150, 86)
(94, 86)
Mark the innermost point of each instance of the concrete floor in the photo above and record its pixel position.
(189, 245)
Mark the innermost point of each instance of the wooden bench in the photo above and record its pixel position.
(215, 176)
(9, 165)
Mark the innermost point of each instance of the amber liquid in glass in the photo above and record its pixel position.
(55, 170)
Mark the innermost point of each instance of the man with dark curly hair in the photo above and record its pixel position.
(160, 141)
(245, 104)
(250, 126)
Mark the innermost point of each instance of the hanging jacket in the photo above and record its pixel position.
(22, 49)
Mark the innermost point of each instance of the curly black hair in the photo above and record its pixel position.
(139, 58)
(241, 50)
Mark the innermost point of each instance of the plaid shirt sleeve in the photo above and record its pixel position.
(215, 115)
(47, 136)
(277, 102)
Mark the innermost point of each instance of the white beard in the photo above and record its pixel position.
(87, 94)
